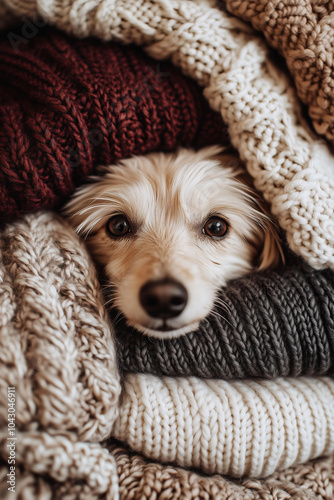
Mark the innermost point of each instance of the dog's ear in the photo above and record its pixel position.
(266, 241)
(267, 238)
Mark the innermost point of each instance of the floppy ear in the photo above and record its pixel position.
(266, 240)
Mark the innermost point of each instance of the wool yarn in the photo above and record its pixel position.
(250, 427)
(140, 478)
(69, 105)
(254, 96)
(58, 355)
(302, 32)
(278, 323)
(145, 480)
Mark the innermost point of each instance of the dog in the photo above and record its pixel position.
(171, 229)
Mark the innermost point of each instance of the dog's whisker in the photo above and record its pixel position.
(221, 316)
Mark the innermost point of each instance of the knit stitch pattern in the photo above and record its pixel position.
(146, 480)
(68, 105)
(237, 428)
(303, 33)
(274, 324)
(57, 352)
(253, 94)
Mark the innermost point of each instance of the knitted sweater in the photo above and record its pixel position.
(276, 324)
(57, 351)
(56, 354)
(268, 424)
(242, 81)
(68, 105)
(302, 32)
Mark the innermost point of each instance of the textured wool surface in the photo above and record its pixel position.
(140, 479)
(69, 105)
(276, 324)
(57, 351)
(253, 94)
(303, 33)
(237, 428)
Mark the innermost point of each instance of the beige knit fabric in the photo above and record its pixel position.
(140, 479)
(255, 97)
(57, 352)
(303, 33)
(237, 428)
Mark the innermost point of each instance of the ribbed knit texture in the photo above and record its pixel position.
(69, 105)
(303, 33)
(236, 428)
(57, 351)
(276, 324)
(254, 96)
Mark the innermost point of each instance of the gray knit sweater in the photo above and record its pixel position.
(278, 324)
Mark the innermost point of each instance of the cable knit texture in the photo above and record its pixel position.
(57, 351)
(241, 80)
(303, 33)
(69, 105)
(237, 428)
(276, 324)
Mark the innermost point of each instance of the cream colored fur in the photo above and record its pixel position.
(167, 199)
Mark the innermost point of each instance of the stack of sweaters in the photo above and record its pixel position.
(242, 408)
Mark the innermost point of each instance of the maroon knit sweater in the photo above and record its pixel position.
(68, 105)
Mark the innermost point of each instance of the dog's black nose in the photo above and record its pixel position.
(163, 299)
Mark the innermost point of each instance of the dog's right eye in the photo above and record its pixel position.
(118, 225)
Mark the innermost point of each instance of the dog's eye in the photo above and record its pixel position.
(215, 227)
(118, 225)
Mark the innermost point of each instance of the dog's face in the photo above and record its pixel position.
(170, 230)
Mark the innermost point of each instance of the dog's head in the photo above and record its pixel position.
(170, 230)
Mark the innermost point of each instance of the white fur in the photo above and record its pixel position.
(168, 198)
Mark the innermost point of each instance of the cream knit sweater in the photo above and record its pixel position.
(241, 80)
(237, 428)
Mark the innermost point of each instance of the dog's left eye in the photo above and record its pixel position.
(118, 225)
(215, 227)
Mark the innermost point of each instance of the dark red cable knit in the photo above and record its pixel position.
(68, 105)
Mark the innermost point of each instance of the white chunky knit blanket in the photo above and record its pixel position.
(240, 79)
